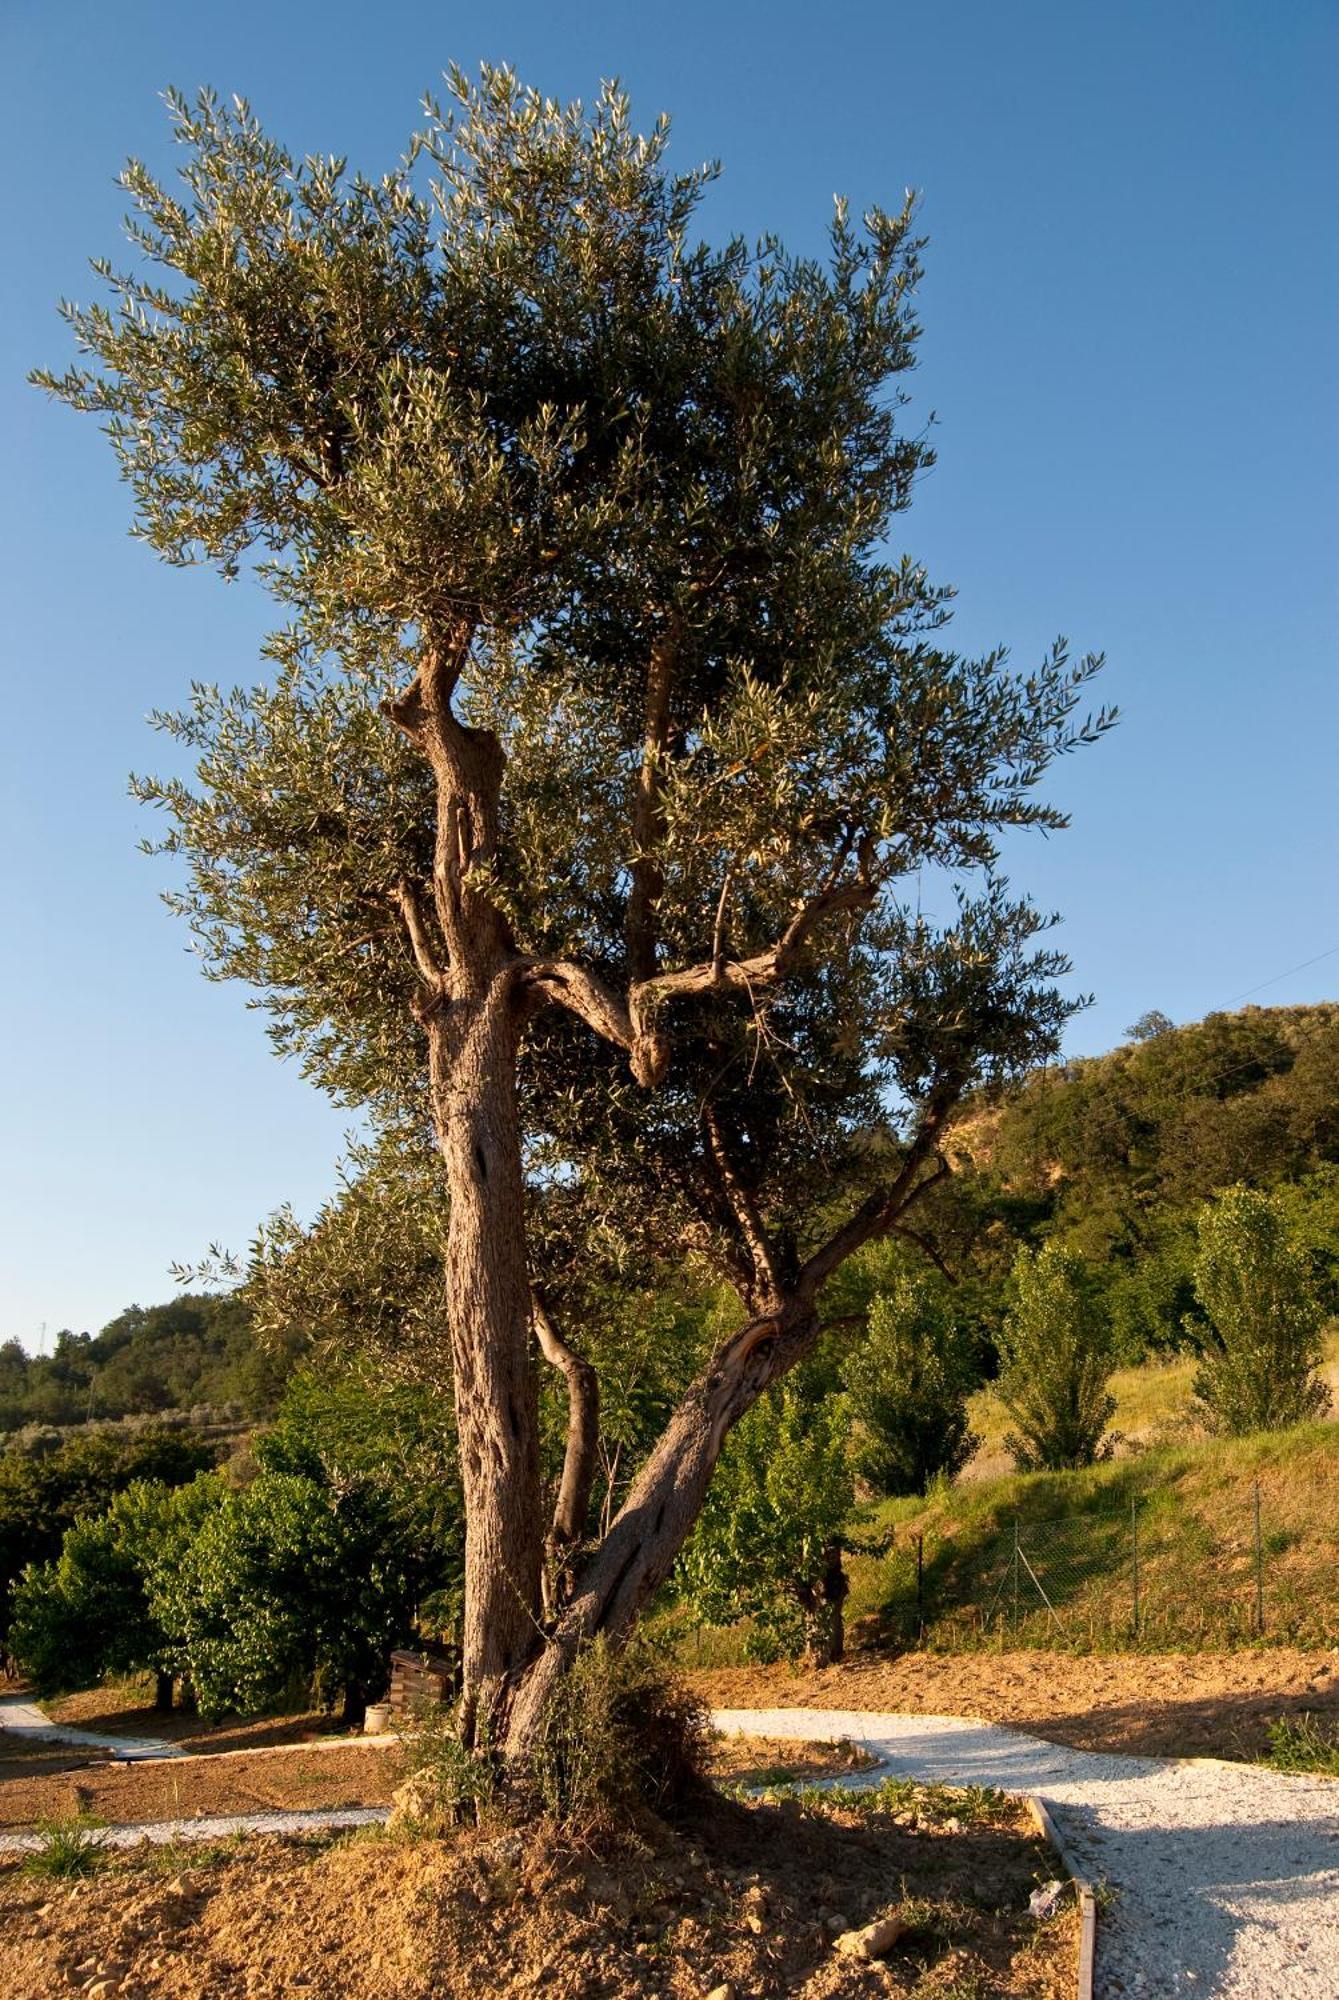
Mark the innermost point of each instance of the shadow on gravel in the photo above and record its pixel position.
(1209, 1904)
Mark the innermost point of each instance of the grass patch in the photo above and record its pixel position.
(69, 1848)
(1304, 1743)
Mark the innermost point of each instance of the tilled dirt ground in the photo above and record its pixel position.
(1154, 1705)
(752, 1895)
(191, 1788)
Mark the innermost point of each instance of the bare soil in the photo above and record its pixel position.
(767, 1760)
(748, 1894)
(120, 1710)
(1156, 1705)
(191, 1788)
(51, 1781)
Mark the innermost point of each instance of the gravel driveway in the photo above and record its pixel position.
(1227, 1876)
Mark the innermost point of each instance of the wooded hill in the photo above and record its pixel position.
(194, 1353)
(1115, 1154)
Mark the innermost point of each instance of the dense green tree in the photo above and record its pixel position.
(580, 817)
(41, 1497)
(287, 1586)
(907, 1384)
(390, 1446)
(90, 1613)
(1263, 1348)
(1056, 1352)
(769, 1542)
(1154, 1022)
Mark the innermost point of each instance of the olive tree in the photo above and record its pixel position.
(579, 816)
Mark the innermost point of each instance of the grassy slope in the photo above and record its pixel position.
(1195, 1538)
(1154, 1406)
(1196, 1548)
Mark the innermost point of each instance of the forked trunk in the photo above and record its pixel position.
(639, 1551)
(488, 1310)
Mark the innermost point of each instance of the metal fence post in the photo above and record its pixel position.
(1134, 1559)
(920, 1586)
(1015, 1575)
(1259, 1568)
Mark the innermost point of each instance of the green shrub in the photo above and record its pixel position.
(907, 1386)
(1056, 1351)
(1265, 1318)
(621, 1731)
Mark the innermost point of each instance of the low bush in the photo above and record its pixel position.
(622, 1731)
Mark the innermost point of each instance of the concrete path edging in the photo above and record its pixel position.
(168, 1832)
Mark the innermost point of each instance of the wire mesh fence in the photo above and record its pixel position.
(1140, 1575)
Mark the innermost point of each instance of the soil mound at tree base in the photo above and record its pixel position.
(746, 1894)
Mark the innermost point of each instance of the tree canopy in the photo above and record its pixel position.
(583, 817)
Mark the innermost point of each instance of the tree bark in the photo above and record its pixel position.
(473, 1006)
(473, 1046)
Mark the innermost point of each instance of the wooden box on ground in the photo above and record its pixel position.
(421, 1675)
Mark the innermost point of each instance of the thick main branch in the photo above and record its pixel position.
(633, 1020)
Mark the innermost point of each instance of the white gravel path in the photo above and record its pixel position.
(163, 1831)
(26, 1720)
(1227, 1875)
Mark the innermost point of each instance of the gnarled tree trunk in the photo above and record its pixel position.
(488, 1311)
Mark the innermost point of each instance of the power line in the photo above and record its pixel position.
(1283, 975)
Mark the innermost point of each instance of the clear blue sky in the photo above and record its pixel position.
(1132, 324)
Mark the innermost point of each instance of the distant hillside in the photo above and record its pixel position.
(1116, 1154)
(197, 1351)
(1169, 1118)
